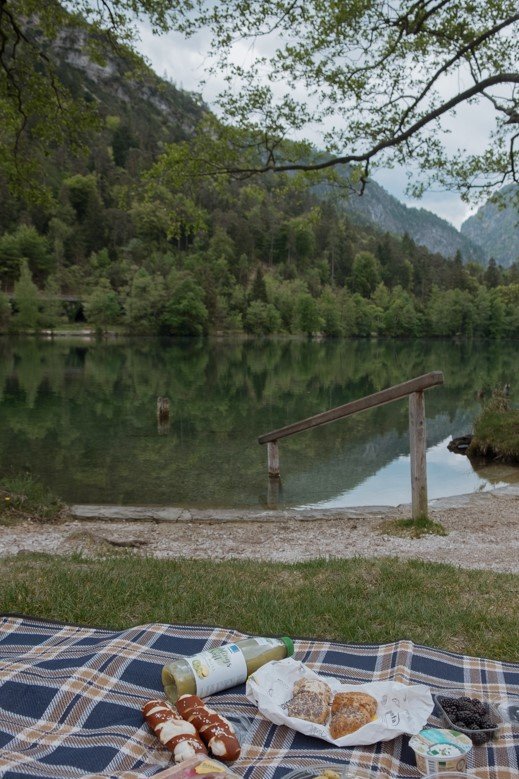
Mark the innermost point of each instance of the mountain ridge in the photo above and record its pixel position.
(377, 206)
(495, 226)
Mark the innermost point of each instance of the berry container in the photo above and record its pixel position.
(478, 736)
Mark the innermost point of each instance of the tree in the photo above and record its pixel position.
(52, 308)
(492, 275)
(185, 312)
(259, 290)
(25, 297)
(262, 318)
(5, 311)
(386, 73)
(24, 243)
(102, 307)
(144, 304)
(310, 321)
(365, 273)
(330, 314)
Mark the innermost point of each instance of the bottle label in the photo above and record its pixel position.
(267, 641)
(217, 669)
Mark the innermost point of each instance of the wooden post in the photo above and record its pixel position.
(162, 415)
(418, 459)
(273, 458)
(273, 492)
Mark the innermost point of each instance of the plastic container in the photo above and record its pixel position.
(440, 751)
(200, 766)
(341, 771)
(450, 775)
(223, 667)
(480, 736)
(508, 710)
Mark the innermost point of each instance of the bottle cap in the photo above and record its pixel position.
(289, 645)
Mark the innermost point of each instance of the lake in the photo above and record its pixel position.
(81, 416)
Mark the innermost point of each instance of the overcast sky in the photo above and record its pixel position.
(182, 60)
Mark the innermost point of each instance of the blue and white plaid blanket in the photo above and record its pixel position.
(71, 697)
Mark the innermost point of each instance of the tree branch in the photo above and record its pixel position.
(469, 47)
(396, 140)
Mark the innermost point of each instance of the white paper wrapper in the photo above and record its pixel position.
(401, 708)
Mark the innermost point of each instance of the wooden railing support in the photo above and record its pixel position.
(414, 389)
(417, 442)
(273, 458)
(273, 492)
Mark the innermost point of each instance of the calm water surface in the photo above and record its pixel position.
(81, 416)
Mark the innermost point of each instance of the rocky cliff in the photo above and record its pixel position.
(495, 227)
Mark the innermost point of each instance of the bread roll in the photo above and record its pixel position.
(310, 701)
(216, 731)
(350, 712)
(177, 735)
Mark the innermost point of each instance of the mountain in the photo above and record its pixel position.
(151, 111)
(120, 84)
(378, 208)
(495, 226)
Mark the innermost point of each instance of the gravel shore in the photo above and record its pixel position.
(482, 532)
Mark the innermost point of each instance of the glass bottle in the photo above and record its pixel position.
(225, 666)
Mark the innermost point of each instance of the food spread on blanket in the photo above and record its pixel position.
(191, 729)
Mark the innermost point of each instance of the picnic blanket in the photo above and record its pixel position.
(71, 697)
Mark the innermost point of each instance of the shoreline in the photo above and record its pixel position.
(154, 513)
(482, 533)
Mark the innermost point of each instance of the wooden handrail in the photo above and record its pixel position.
(396, 392)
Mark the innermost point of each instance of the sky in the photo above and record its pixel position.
(181, 61)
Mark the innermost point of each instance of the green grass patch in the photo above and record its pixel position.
(412, 528)
(359, 601)
(496, 432)
(22, 497)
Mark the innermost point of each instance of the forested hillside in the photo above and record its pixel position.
(120, 244)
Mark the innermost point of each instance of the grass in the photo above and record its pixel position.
(358, 601)
(22, 498)
(496, 432)
(412, 528)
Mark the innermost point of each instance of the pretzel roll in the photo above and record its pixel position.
(186, 703)
(177, 735)
(215, 730)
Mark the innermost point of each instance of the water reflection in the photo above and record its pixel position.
(84, 418)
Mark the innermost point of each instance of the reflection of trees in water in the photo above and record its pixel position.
(83, 416)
